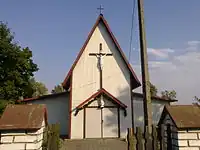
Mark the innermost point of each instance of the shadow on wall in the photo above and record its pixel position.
(157, 108)
(111, 120)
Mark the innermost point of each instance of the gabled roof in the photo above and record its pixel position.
(43, 97)
(105, 93)
(158, 98)
(183, 116)
(24, 117)
(135, 82)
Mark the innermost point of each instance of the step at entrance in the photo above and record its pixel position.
(95, 144)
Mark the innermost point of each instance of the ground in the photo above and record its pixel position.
(95, 144)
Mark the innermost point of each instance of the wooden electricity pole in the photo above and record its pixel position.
(144, 68)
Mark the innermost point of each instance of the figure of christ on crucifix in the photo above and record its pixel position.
(99, 57)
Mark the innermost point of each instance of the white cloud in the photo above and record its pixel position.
(161, 65)
(161, 53)
(193, 45)
(181, 74)
(189, 57)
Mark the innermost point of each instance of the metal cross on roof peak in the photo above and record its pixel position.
(100, 8)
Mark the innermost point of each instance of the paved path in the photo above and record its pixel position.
(95, 144)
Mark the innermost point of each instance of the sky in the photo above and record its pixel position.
(56, 30)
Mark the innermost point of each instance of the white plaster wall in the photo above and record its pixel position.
(116, 78)
(157, 108)
(57, 110)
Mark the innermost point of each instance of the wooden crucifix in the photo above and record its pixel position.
(100, 56)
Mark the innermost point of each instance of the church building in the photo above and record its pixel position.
(99, 101)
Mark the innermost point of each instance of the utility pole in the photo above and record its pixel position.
(144, 68)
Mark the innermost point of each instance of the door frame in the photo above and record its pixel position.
(84, 119)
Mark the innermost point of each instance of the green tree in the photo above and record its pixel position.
(57, 89)
(3, 104)
(168, 94)
(196, 100)
(153, 90)
(37, 88)
(16, 66)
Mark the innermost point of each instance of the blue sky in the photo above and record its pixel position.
(56, 30)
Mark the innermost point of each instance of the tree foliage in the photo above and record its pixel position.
(196, 100)
(4, 103)
(153, 90)
(168, 94)
(16, 66)
(58, 89)
(38, 88)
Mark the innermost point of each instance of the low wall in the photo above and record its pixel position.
(22, 140)
(187, 140)
(181, 139)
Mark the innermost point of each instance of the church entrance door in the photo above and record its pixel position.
(92, 123)
(110, 122)
(101, 123)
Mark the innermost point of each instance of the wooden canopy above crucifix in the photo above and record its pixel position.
(104, 93)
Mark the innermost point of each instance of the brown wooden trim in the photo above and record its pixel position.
(84, 122)
(103, 107)
(102, 122)
(70, 108)
(100, 79)
(132, 105)
(118, 112)
(164, 113)
(102, 91)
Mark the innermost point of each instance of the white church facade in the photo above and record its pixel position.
(98, 102)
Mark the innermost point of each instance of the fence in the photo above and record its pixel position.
(52, 138)
(147, 141)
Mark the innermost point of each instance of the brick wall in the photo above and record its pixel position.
(188, 140)
(182, 140)
(22, 140)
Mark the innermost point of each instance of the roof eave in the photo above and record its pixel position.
(41, 97)
(156, 97)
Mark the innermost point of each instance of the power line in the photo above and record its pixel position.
(131, 31)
